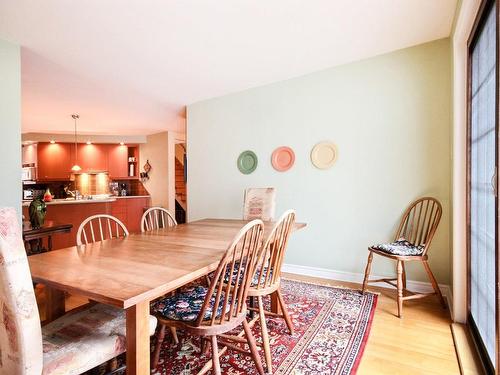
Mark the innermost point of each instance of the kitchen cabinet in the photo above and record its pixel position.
(117, 161)
(135, 209)
(93, 158)
(54, 161)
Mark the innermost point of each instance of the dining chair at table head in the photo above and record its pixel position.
(29, 349)
(99, 228)
(20, 332)
(219, 308)
(156, 218)
(259, 203)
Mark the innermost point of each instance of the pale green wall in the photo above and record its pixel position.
(390, 118)
(10, 125)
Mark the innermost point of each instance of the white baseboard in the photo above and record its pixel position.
(324, 273)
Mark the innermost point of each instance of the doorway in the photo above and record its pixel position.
(483, 185)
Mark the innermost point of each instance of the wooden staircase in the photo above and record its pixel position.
(180, 185)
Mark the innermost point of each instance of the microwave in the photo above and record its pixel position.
(29, 173)
(28, 194)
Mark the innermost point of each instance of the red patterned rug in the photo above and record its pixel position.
(331, 330)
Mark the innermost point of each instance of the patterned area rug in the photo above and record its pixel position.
(331, 329)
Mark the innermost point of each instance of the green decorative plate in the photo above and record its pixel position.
(247, 162)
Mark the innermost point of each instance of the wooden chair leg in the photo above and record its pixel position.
(284, 311)
(252, 305)
(367, 271)
(265, 336)
(399, 269)
(160, 336)
(253, 347)
(404, 276)
(173, 331)
(434, 283)
(215, 356)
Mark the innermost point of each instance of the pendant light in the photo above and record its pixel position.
(76, 167)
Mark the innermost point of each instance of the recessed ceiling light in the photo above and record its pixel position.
(89, 143)
(52, 141)
(121, 143)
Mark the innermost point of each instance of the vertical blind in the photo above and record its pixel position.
(483, 151)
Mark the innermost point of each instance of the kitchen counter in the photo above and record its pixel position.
(131, 196)
(73, 201)
(83, 201)
(129, 209)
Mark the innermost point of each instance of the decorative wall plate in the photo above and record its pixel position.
(247, 162)
(283, 158)
(323, 155)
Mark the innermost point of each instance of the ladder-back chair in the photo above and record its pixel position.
(267, 278)
(99, 228)
(224, 304)
(156, 218)
(412, 242)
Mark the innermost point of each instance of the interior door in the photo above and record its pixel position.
(483, 184)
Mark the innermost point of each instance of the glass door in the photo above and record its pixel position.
(483, 184)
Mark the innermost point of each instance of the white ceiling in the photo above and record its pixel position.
(130, 66)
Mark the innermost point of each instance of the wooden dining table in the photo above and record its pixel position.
(130, 272)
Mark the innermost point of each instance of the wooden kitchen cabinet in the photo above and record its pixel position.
(93, 158)
(54, 161)
(135, 209)
(118, 161)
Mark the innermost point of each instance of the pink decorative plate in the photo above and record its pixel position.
(283, 158)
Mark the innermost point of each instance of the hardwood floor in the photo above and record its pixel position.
(419, 343)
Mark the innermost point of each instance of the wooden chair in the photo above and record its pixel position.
(259, 203)
(108, 227)
(412, 242)
(224, 304)
(156, 218)
(267, 279)
(28, 348)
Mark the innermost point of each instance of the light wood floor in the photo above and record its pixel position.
(419, 343)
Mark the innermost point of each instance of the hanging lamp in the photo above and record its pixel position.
(76, 167)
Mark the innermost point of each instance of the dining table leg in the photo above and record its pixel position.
(54, 307)
(138, 350)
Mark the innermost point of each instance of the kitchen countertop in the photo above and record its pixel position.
(86, 201)
(131, 196)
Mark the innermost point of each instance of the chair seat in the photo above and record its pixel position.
(400, 247)
(255, 278)
(83, 339)
(186, 305)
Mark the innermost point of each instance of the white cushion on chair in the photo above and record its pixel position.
(400, 247)
(81, 340)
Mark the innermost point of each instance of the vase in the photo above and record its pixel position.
(37, 211)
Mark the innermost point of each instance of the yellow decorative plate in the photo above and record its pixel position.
(323, 155)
